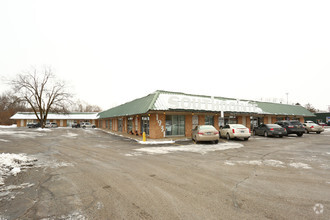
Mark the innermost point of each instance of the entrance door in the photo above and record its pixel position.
(145, 124)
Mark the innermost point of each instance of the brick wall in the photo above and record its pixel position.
(201, 119)
(216, 122)
(157, 126)
(188, 125)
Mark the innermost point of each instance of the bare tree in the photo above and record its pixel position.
(82, 106)
(310, 108)
(9, 105)
(42, 91)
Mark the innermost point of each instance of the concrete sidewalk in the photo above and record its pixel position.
(139, 139)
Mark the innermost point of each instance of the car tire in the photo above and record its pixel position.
(307, 131)
(245, 139)
(300, 134)
(281, 136)
(216, 141)
(83, 127)
(228, 136)
(318, 132)
(254, 133)
(266, 134)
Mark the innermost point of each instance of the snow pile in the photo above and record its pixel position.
(194, 148)
(11, 164)
(156, 142)
(8, 126)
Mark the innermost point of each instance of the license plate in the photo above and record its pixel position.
(242, 132)
(279, 132)
(208, 133)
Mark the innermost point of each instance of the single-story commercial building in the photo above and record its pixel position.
(62, 120)
(167, 114)
(320, 117)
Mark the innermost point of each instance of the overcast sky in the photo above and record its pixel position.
(111, 52)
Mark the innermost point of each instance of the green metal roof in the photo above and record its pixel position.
(147, 103)
(137, 106)
(283, 109)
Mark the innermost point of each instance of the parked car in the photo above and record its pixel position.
(75, 125)
(269, 130)
(322, 124)
(51, 125)
(33, 125)
(292, 127)
(205, 133)
(87, 125)
(231, 131)
(312, 127)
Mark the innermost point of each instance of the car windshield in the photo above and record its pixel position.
(206, 127)
(273, 126)
(237, 126)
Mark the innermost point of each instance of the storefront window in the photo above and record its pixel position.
(145, 124)
(130, 125)
(230, 120)
(209, 120)
(120, 124)
(110, 124)
(175, 125)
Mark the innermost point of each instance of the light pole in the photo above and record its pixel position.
(287, 98)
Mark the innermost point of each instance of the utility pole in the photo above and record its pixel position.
(287, 98)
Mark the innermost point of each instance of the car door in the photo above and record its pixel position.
(258, 130)
(263, 128)
(225, 130)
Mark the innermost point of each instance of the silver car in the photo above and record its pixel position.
(51, 125)
(87, 125)
(312, 127)
(205, 133)
(231, 131)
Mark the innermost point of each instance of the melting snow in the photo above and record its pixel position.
(8, 126)
(11, 164)
(300, 165)
(195, 148)
(156, 142)
(3, 140)
(272, 163)
(70, 135)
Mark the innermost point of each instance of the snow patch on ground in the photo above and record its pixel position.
(70, 135)
(8, 193)
(43, 129)
(195, 148)
(22, 134)
(3, 140)
(8, 126)
(300, 165)
(12, 164)
(272, 163)
(156, 142)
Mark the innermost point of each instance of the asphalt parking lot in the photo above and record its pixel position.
(91, 174)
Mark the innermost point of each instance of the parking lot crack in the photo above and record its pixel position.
(238, 184)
